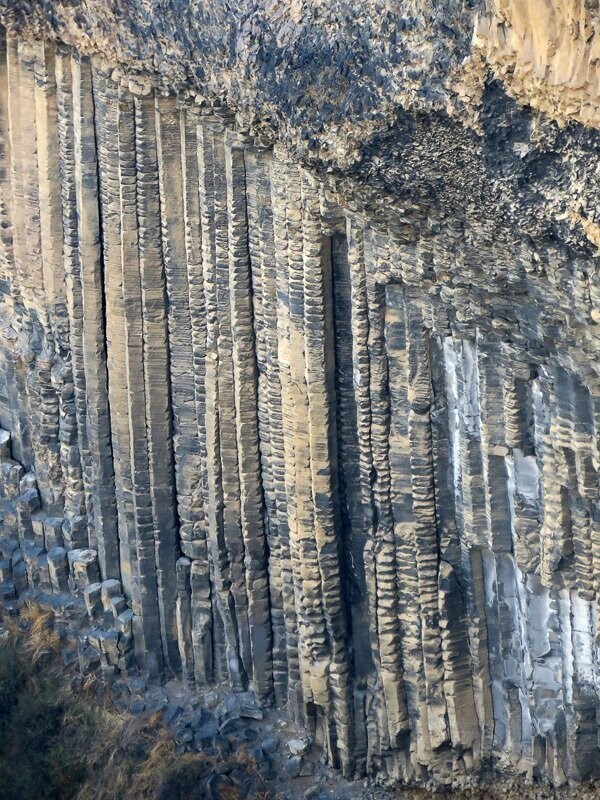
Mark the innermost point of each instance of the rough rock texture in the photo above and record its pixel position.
(334, 430)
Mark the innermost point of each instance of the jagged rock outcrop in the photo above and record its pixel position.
(332, 432)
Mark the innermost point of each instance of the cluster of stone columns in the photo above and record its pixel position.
(318, 465)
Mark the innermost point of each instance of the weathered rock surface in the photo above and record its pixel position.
(329, 436)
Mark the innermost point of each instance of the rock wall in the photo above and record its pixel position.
(346, 458)
(547, 52)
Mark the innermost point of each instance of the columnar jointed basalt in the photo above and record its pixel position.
(348, 461)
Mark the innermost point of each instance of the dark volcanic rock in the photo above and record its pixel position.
(299, 375)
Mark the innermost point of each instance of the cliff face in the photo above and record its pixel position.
(300, 317)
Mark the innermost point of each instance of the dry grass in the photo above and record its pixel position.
(33, 631)
(41, 639)
(85, 747)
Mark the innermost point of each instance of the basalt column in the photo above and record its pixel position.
(344, 461)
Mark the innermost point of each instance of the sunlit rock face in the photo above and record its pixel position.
(547, 52)
(301, 320)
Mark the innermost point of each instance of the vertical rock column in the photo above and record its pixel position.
(285, 452)
(353, 521)
(361, 371)
(203, 612)
(156, 374)
(264, 289)
(394, 721)
(106, 98)
(228, 442)
(39, 280)
(80, 458)
(287, 218)
(76, 456)
(404, 521)
(51, 243)
(247, 430)
(460, 358)
(93, 334)
(225, 641)
(8, 283)
(319, 342)
(177, 153)
(314, 546)
(22, 328)
(144, 596)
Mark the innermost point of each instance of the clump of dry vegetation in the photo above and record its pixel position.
(61, 744)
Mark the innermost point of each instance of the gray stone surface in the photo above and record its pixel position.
(326, 437)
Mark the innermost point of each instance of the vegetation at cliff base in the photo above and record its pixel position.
(59, 742)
